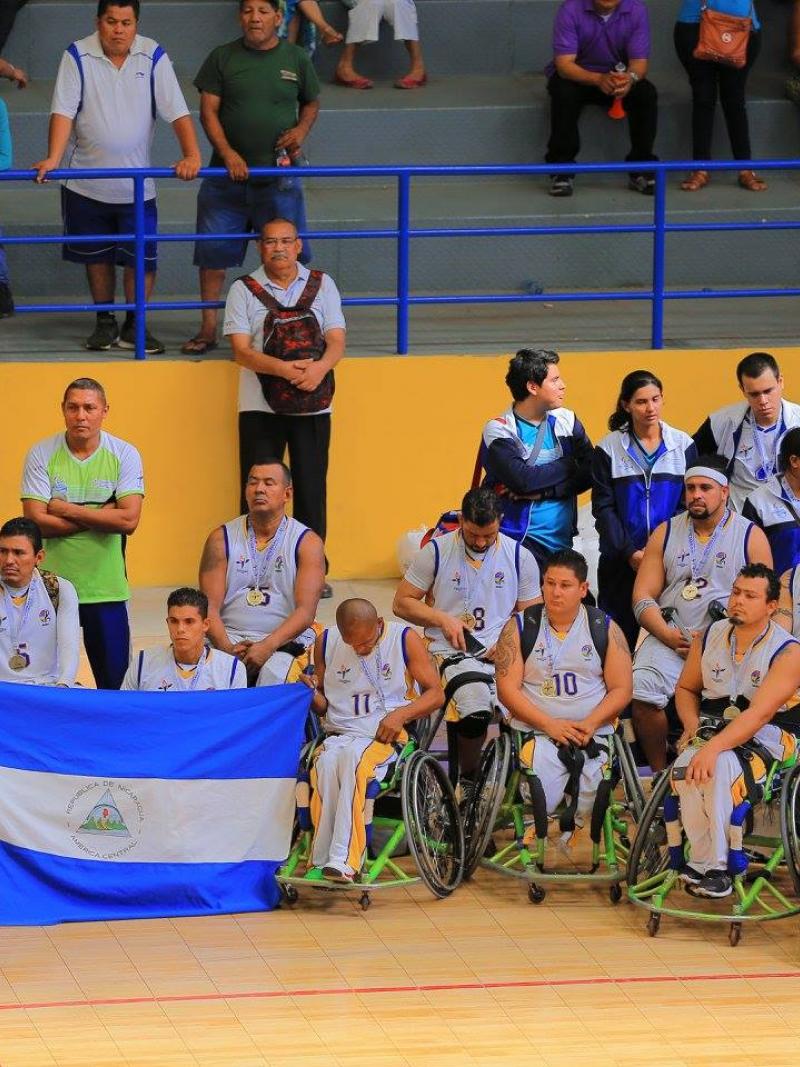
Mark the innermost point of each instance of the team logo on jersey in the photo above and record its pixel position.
(539, 652)
(718, 670)
(682, 557)
(586, 651)
(343, 673)
(456, 579)
(279, 564)
(720, 559)
(241, 563)
(755, 677)
(499, 579)
(386, 671)
(107, 826)
(59, 485)
(164, 685)
(44, 616)
(744, 451)
(3, 622)
(103, 483)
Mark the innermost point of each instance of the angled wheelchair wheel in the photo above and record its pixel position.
(634, 795)
(790, 824)
(481, 812)
(650, 854)
(433, 823)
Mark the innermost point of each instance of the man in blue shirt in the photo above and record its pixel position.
(537, 456)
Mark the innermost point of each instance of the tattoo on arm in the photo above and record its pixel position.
(506, 652)
(212, 554)
(619, 638)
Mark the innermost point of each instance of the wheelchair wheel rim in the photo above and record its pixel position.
(433, 824)
(650, 853)
(482, 810)
(790, 825)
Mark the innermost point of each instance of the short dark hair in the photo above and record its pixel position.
(631, 383)
(754, 365)
(271, 461)
(789, 446)
(716, 463)
(104, 5)
(21, 527)
(186, 597)
(528, 365)
(272, 3)
(279, 218)
(569, 558)
(88, 384)
(481, 506)
(761, 570)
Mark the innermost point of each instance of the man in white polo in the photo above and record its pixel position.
(110, 88)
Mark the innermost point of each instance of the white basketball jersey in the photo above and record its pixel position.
(576, 672)
(245, 621)
(721, 564)
(361, 690)
(29, 629)
(722, 678)
(489, 592)
(155, 669)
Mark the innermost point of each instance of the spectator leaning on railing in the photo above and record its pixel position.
(109, 90)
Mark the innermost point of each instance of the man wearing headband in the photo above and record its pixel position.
(688, 562)
(748, 434)
(741, 675)
(263, 574)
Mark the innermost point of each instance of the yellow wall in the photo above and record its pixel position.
(405, 435)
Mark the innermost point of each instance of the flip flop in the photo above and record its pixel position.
(198, 346)
(411, 83)
(353, 83)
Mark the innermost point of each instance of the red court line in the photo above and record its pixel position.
(286, 994)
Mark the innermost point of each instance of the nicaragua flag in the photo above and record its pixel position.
(122, 805)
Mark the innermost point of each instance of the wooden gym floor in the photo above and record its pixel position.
(481, 978)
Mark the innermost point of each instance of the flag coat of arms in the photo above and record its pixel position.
(120, 805)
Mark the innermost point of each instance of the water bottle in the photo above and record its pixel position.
(283, 159)
(617, 111)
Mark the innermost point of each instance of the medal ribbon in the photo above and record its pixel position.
(698, 568)
(14, 616)
(736, 668)
(257, 577)
(376, 681)
(552, 654)
(469, 593)
(758, 441)
(199, 671)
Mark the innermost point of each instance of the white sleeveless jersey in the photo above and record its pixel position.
(724, 679)
(30, 629)
(723, 563)
(489, 592)
(155, 669)
(244, 621)
(356, 704)
(577, 675)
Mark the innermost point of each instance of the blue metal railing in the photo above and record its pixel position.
(403, 232)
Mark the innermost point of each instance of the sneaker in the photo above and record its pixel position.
(713, 884)
(127, 339)
(333, 874)
(6, 302)
(561, 185)
(106, 334)
(642, 183)
(689, 876)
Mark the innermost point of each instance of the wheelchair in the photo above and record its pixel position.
(414, 804)
(508, 804)
(760, 894)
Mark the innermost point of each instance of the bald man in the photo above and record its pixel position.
(372, 678)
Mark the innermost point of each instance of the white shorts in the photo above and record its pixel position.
(365, 18)
(656, 670)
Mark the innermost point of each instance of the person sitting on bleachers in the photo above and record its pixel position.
(363, 25)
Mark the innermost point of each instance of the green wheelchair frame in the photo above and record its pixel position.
(498, 803)
(756, 898)
(430, 823)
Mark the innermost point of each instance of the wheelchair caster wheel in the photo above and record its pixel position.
(615, 893)
(735, 934)
(364, 901)
(653, 924)
(536, 894)
(289, 894)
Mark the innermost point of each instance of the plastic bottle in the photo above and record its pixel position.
(617, 111)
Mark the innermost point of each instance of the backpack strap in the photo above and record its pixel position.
(309, 294)
(157, 54)
(260, 293)
(599, 624)
(73, 51)
(53, 588)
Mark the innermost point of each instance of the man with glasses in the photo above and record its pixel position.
(287, 360)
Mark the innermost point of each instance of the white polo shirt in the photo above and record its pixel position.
(244, 313)
(114, 127)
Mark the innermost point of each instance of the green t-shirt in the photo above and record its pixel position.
(94, 562)
(260, 94)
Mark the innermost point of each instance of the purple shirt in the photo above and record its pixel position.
(597, 45)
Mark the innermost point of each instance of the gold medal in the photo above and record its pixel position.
(17, 662)
(469, 620)
(255, 598)
(548, 688)
(731, 712)
(690, 591)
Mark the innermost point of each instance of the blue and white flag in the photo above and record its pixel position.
(135, 805)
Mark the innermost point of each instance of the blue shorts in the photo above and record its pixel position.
(225, 206)
(83, 216)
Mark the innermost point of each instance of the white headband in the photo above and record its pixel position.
(707, 472)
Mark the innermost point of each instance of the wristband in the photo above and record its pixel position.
(642, 605)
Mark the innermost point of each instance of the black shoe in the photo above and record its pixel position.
(713, 884)
(561, 185)
(327, 592)
(106, 334)
(690, 876)
(6, 302)
(642, 183)
(127, 339)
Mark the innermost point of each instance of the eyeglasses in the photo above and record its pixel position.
(271, 242)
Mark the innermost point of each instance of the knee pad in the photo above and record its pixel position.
(474, 725)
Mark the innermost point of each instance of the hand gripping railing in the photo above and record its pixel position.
(402, 233)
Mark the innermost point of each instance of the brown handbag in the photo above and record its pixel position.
(723, 38)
